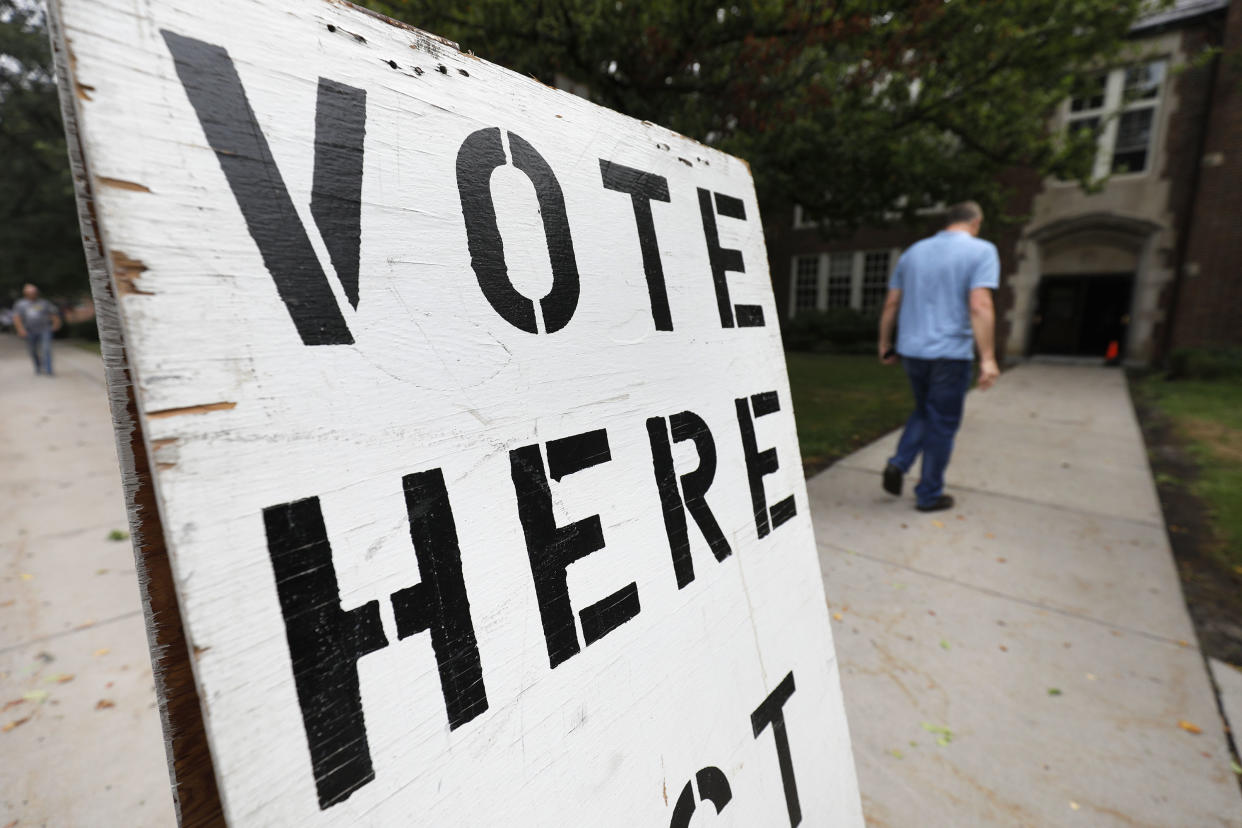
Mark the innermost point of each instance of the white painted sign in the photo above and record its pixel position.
(469, 430)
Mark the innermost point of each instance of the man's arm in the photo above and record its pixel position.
(888, 320)
(983, 321)
(17, 323)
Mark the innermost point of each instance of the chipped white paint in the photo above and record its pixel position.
(239, 416)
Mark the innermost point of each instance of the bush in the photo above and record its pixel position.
(841, 330)
(1205, 364)
(85, 330)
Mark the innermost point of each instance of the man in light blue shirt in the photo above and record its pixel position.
(942, 287)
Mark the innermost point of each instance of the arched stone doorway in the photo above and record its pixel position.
(1084, 282)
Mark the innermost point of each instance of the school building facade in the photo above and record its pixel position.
(1153, 261)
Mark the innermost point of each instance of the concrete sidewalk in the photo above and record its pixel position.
(79, 733)
(1025, 658)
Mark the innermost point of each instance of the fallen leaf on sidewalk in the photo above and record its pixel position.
(1189, 727)
(37, 696)
(102, 651)
(85, 625)
(961, 517)
(101, 572)
(1054, 691)
(104, 704)
(1235, 767)
(1183, 643)
(8, 603)
(939, 524)
(26, 576)
(897, 753)
(836, 616)
(11, 704)
(944, 645)
(59, 678)
(943, 734)
(15, 723)
(899, 585)
(1074, 806)
(117, 535)
(1090, 676)
(1004, 649)
(1001, 560)
(989, 536)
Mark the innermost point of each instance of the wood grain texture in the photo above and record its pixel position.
(425, 359)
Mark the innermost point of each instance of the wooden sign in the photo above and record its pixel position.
(457, 432)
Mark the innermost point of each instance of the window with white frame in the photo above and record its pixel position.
(1119, 108)
(875, 278)
(842, 279)
(806, 283)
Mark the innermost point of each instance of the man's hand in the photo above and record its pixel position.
(888, 322)
(988, 372)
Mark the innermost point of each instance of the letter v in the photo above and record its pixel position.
(215, 91)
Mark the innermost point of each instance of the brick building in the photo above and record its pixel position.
(1161, 241)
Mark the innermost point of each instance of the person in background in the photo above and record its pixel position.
(36, 319)
(942, 287)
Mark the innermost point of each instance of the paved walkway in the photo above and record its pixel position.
(1037, 631)
(80, 739)
(1026, 658)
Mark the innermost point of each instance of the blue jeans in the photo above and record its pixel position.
(939, 387)
(40, 347)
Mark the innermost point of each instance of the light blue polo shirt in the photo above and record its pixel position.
(935, 277)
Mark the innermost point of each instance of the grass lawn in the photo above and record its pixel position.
(1208, 414)
(842, 402)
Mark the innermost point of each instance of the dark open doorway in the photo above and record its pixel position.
(1082, 315)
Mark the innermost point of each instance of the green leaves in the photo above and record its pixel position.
(39, 238)
(861, 117)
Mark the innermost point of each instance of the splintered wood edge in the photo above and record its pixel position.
(196, 796)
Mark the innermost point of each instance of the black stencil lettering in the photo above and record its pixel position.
(604, 616)
(771, 712)
(553, 548)
(439, 602)
(336, 195)
(477, 158)
(215, 91)
(643, 188)
(726, 259)
(684, 809)
(761, 463)
(693, 496)
(730, 207)
(713, 788)
(325, 643)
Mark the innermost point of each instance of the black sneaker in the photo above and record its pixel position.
(892, 480)
(938, 505)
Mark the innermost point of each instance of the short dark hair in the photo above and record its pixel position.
(962, 212)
